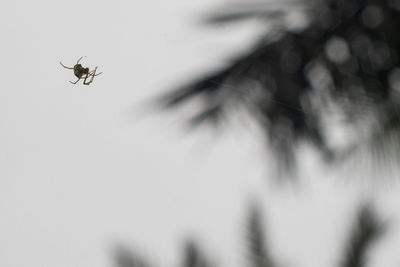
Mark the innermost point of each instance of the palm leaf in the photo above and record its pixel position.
(193, 257)
(258, 253)
(288, 81)
(126, 258)
(365, 232)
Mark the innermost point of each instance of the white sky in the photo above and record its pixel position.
(85, 167)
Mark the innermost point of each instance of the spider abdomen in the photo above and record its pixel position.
(79, 70)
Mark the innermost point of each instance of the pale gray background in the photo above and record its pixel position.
(86, 167)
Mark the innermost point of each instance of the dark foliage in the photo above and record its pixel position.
(367, 229)
(342, 59)
(193, 257)
(125, 258)
(257, 251)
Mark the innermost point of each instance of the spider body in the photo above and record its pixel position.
(79, 71)
(82, 73)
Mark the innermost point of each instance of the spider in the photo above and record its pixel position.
(82, 73)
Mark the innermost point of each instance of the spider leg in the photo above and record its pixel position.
(76, 81)
(66, 66)
(93, 72)
(79, 60)
(87, 76)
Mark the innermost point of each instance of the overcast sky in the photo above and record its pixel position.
(86, 167)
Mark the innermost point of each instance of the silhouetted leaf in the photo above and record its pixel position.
(193, 257)
(126, 258)
(345, 60)
(258, 254)
(267, 10)
(366, 230)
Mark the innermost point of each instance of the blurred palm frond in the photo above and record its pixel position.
(266, 10)
(193, 257)
(366, 231)
(258, 253)
(126, 258)
(343, 63)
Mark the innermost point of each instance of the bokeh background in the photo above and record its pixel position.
(85, 169)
